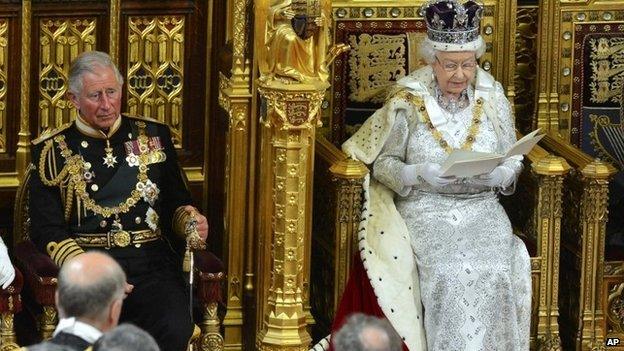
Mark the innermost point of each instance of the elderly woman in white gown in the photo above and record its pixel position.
(444, 243)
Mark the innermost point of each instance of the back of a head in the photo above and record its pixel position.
(126, 337)
(88, 284)
(366, 333)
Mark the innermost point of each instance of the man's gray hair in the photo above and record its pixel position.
(428, 52)
(89, 61)
(126, 337)
(89, 300)
(366, 333)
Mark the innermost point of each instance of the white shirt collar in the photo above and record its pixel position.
(85, 128)
(75, 327)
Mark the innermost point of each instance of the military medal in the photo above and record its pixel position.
(120, 237)
(109, 159)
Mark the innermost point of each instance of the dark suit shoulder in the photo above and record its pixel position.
(144, 119)
(47, 134)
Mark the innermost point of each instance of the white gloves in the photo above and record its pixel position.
(7, 272)
(428, 171)
(501, 176)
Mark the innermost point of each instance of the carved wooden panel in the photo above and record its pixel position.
(61, 40)
(163, 58)
(61, 30)
(156, 69)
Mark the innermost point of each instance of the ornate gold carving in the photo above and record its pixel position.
(113, 38)
(211, 338)
(550, 171)
(376, 62)
(283, 103)
(295, 45)
(22, 156)
(7, 333)
(606, 76)
(615, 308)
(48, 321)
(290, 144)
(61, 40)
(156, 70)
(595, 176)
(549, 342)
(525, 77)
(235, 98)
(613, 133)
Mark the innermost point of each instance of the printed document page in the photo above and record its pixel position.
(463, 164)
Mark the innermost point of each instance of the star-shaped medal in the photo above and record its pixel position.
(110, 160)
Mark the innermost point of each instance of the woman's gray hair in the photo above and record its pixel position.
(89, 61)
(428, 52)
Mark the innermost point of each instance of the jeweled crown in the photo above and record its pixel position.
(451, 22)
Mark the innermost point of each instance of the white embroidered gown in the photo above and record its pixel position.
(474, 273)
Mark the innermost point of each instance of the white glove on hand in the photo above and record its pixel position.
(501, 176)
(428, 171)
(7, 272)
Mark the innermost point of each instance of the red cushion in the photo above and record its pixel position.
(39, 271)
(10, 300)
(210, 277)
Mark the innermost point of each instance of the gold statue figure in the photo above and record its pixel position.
(296, 40)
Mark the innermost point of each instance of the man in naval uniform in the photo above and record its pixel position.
(112, 182)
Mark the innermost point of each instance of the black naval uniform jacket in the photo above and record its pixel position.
(62, 341)
(107, 186)
(60, 215)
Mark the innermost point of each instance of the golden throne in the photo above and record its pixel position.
(384, 41)
(40, 274)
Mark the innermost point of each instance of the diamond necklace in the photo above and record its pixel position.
(451, 104)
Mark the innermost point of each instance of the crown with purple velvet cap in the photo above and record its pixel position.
(452, 26)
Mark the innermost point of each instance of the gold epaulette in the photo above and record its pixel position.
(143, 118)
(49, 133)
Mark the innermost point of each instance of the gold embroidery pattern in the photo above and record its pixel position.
(471, 137)
(71, 176)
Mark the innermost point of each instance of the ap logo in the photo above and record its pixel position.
(612, 342)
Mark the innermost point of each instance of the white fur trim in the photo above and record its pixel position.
(388, 259)
(469, 46)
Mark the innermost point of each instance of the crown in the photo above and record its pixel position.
(449, 22)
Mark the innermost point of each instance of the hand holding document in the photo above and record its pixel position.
(463, 164)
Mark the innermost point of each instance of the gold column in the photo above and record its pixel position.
(113, 39)
(48, 321)
(22, 157)
(548, 53)
(291, 117)
(596, 177)
(235, 97)
(550, 170)
(7, 332)
(349, 174)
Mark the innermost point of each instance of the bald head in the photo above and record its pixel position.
(88, 268)
(366, 333)
(88, 284)
(374, 338)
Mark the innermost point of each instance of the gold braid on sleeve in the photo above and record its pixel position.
(63, 251)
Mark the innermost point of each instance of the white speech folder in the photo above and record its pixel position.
(463, 164)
